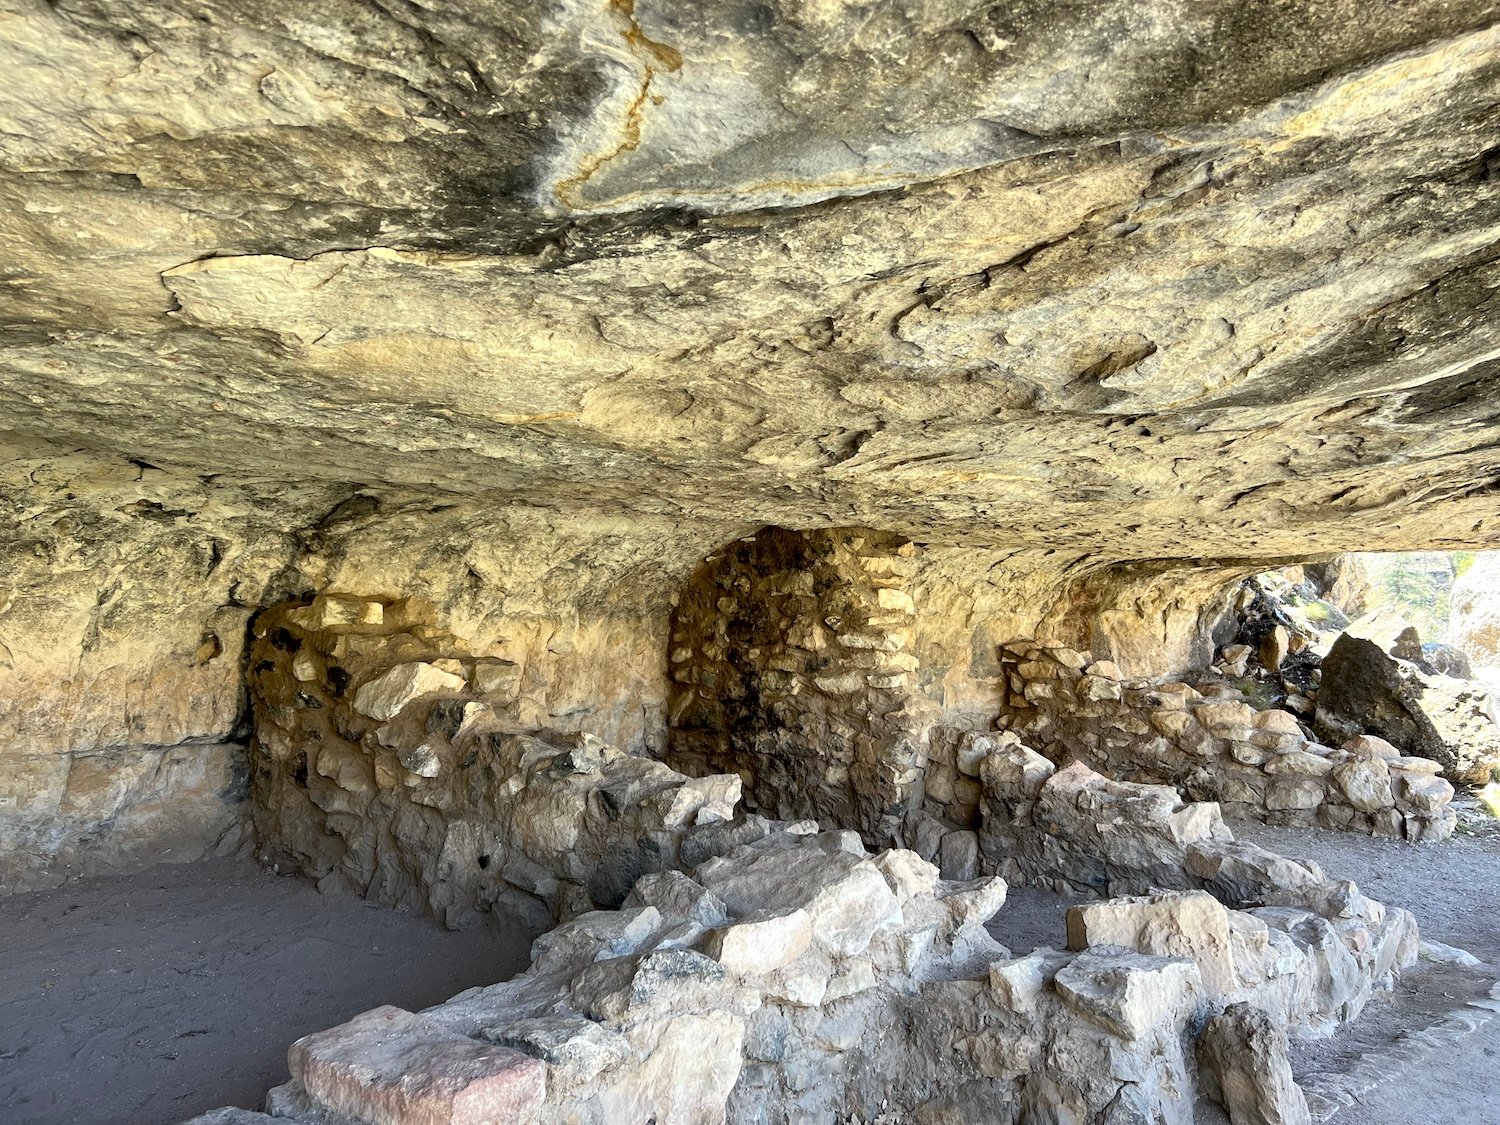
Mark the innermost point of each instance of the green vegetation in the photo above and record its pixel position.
(1417, 585)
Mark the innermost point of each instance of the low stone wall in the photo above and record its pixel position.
(1256, 764)
(389, 758)
(788, 975)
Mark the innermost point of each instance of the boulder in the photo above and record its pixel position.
(392, 1065)
(1448, 660)
(1374, 683)
(1128, 994)
(1274, 647)
(1191, 924)
(1244, 1066)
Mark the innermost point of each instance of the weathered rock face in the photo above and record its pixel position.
(1375, 682)
(528, 308)
(1474, 624)
(1154, 282)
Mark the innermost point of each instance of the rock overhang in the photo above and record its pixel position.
(1238, 301)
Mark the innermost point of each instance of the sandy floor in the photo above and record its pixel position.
(147, 999)
(144, 1000)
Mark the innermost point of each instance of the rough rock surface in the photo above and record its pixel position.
(1247, 1069)
(1474, 622)
(529, 308)
(1375, 681)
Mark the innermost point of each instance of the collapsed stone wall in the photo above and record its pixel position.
(743, 985)
(1257, 764)
(390, 757)
(791, 666)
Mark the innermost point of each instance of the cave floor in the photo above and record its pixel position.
(151, 997)
(1411, 1056)
(148, 998)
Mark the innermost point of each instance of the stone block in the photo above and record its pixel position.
(1246, 1067)
(761, 943)
(1190, 924)
(1365, 783)
(389, 1065)
(958, 855)
(385, 696)
(1129, 994)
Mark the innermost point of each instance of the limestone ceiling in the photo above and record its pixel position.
(1163, 278)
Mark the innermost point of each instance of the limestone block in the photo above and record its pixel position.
(1282, 722)
(845, 683)
(678, 898)
(958, 855)
(907, 873)
(654, 984)
(580, 1047)
(1225, 715)
(1423, 766)
(421, 761)
(1298, 763)
(595, 936)
(331, 611)
(1191, 924)
(384, 697)
(1246, 1067)
(1129, 994)
(1098, 689)
(1294, 792)
(390, 1065)
(761, 943)
(1015, 770)
(1274, 647)
(897, 600)
(971, 751)
(846, 895)
(1365, 783)
(1247, 754)
(1019, 982)
(1370, 746)
(1423, 793)
(1172, 723)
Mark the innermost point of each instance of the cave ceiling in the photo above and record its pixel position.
(1142, 278)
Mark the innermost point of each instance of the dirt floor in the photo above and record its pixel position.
(1422, 1053)
(145, 999)
(149, 998)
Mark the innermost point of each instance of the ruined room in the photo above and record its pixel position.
(767, 562)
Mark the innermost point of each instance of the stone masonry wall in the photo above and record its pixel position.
(781, 974)
(1256, 764)
(392, 759)
(791, 666)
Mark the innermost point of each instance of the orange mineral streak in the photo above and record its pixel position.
(655, 57)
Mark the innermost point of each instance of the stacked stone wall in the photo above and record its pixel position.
(1258, 764)
(390, 758)
(791, 665)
